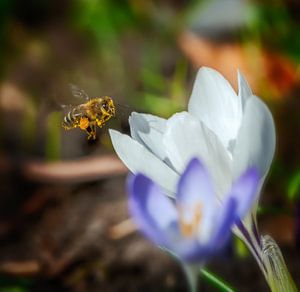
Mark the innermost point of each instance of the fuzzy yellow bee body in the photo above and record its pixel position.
(87, 116)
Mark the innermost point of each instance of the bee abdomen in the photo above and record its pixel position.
(71, 118)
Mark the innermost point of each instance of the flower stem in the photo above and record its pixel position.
(191, 276)
(279, 278)
(269, 258)
(216, 281)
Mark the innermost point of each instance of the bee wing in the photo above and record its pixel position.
(122, 107)
(78, 92)
(65, 108)
(123, 110)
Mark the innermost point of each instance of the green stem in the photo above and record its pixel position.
(216, 281)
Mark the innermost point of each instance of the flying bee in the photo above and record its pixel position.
(90, 114)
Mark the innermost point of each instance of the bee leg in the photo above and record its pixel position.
(85, 125)
(91, 131)
(93, 126)
(88, 133)
(100, 123)
(66, 127)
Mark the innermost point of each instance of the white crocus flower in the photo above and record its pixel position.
(230, 132)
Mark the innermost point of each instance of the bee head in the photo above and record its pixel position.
(107, 105)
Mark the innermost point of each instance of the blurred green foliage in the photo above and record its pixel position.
(11, 284)
(104, 18)
(293, 188)
(276, 25)
(240, 248)
(6, 7)
(134, 29)
(53, 136)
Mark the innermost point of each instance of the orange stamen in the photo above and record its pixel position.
(189, 229)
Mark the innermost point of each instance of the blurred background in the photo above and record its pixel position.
(63, 212)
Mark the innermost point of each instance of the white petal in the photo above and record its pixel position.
(255, 144)
(186, 138)
(244, 89)
(138, 159)
(214, 102)
(148, 130)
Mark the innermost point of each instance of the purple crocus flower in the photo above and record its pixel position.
(196, 226)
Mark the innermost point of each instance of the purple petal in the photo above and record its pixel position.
(195, 186)
(193, 252)
(153, 212)
(245, 191)
(195, 197)
(224, 223)
(196, 252)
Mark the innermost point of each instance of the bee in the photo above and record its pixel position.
(90, 114)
